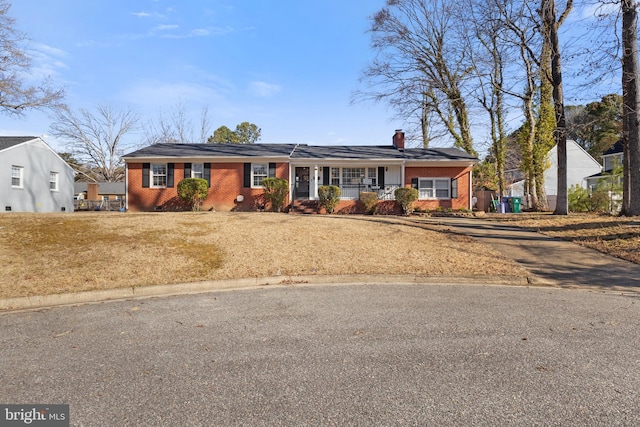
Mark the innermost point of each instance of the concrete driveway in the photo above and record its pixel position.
(334, 355)
(550, 260)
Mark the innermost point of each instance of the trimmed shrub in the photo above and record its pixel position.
(275, 192)
(406, 196)
(193, 191)
(329, 197)
(370, 201)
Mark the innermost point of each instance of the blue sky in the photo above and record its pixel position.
(289, 66)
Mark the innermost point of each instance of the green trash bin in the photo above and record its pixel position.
(515, 203)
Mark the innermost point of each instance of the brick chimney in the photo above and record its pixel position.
(92, 191)
(398, 140)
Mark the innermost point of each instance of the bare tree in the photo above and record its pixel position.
(419, 47)
(522, 36)
(176, 127)
(97, 140)
(15, 95)
(489, 55)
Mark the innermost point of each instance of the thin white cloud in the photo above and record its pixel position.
(47, 60)
(198, 32)
(159, 93)
(154, 15)
(166, 27)
(263, 89)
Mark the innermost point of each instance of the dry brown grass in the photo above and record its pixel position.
(45, 254)
(617, 236)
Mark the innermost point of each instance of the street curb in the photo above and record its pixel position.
(47, 301)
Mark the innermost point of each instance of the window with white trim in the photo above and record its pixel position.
(16, 176)
(197, 170)
(105, 198)
(335, 177)
(53, 181)
(158, 175)
(353, 176)
(259, 171)
(434, 188)
(372, 176)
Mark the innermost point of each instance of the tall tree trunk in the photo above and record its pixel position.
(424, 122)
(549, 16)
(631, 107)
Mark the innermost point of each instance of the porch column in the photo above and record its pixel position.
(315, 182)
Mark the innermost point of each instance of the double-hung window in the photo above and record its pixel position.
(335, 176)
(372, 176)
(53, 181)
(16, 176)
(259, 171)
(158, 175)
(434, 188)
(197, 170)
(353, 176)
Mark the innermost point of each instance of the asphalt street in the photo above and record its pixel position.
(334, 355)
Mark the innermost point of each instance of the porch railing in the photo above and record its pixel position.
(352, 191)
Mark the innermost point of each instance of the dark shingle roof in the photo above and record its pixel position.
(352, 152)
(615, 149)
(10, 141)
(300, 151)
(103, 187)
(213, 150)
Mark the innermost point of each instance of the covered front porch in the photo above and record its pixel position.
(352, 179)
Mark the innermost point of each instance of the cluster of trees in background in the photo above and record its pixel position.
(440, 63)
(96, 140)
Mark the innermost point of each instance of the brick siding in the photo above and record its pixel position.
(227, 181)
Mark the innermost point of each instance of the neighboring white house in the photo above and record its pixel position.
(579, 166)
(33, 178)
(612, 157)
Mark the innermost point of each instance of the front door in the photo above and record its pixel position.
(302, 183)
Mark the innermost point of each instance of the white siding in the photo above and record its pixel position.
(38, 160)
(579, 166)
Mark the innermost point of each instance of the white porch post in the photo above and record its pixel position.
(291, 183)
(315, 182)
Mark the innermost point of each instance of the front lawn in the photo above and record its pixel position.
(46, 254)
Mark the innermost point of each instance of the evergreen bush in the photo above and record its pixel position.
(193, 191)
(329, 197)
(275, 192)
(370, 201)
(406, 196)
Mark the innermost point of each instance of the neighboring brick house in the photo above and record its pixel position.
(235, 172)
(103, 191)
